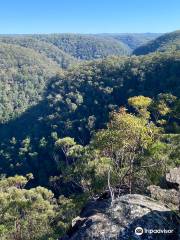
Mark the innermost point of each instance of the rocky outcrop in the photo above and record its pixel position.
(131, 217)
(173, 177)
(170, 196)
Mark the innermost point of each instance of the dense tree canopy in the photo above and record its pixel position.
(166, 42)
(44, 48)
(86, 47)
(23, 75)
(105, 126)
(77, 103)
(134, 40)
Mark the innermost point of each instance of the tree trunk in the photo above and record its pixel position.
(110, 188)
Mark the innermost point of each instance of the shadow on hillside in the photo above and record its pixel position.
(28, 123)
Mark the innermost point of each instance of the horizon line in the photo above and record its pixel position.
(90, 33)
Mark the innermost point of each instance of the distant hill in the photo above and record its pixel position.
(65, 49)
(23, 76)
(86, 47)
(134, 40)
(83, 117)
(166, 42)
(93, 46)
(85, 94)
(75, 103)
(47, 49)
(28, 61)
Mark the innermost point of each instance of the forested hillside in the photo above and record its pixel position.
(77, 124)
(54, 51)
(47, 49)
(78, 102)
(166, 42)
(86, 47)
(134, 40)
(23, 75)
(65, 48)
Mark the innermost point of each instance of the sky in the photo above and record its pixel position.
(89, 16)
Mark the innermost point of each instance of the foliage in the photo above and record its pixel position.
(166, 42)
(26, 214)
(141, 104)
(69, 129)
(131, 151)
(85, 47)
(49, 50)
(23, 74)
(134, 40)
(78, 102)
(124, 142)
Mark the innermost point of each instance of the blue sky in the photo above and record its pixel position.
(89, 16)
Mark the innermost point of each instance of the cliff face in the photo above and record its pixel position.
(126, 219)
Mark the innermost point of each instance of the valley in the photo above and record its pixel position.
(84, 116)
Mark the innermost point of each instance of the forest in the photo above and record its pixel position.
(81, 116)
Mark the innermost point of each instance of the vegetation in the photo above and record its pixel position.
(166, 42)
(86, 47)
(78, 102)
(69, 135)
(44, 48)
(63, 48)
(23, 75)
(131, 151)
(134, 40)
(32, 214)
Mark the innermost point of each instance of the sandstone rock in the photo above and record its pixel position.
(173, 177)
(167, 196)
(103, 221)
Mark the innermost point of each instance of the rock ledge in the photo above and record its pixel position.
(101, 221)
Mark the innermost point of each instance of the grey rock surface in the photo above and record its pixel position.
(173, 177)
(102, 221)
(169, 197)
